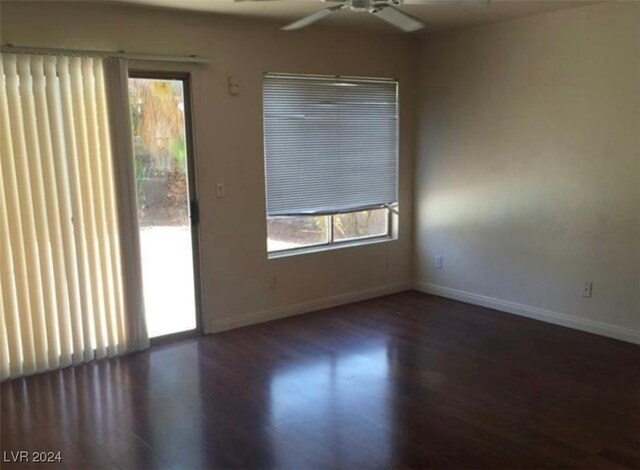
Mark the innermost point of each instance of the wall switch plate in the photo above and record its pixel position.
(439, 262)
(234, 86)
(221, 190)
(587, 287)
(274, 282)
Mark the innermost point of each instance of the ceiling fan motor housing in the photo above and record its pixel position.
(360, 5)
(370, 5)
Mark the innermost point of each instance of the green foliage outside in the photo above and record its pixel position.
(157, 121)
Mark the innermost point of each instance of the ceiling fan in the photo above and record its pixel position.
(386, 10)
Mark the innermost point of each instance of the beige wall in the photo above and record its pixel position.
(528, 166)
(527, 174)
(235, 270)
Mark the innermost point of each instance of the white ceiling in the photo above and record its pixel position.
(437, 16)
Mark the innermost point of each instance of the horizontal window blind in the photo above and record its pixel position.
(331, 145)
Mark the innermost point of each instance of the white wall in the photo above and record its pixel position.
(235, 270)
(528, 166)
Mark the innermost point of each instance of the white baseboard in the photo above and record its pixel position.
(305, 307)
(562, 319)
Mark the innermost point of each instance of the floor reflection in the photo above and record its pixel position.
(269, 404)
(322, 408)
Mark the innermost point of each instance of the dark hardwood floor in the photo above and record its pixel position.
(403, 381)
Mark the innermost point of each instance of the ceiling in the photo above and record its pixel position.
(437, 16)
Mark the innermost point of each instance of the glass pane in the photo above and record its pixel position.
(157, 119)
(363, 224)
(286, 233)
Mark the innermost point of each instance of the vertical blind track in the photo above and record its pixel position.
(11, 49)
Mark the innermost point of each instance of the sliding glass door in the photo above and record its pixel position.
(167, 210)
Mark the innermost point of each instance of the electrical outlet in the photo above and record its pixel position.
(439, 262)
(274, 282)
(587, 287)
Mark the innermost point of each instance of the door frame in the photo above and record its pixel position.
(194, 211)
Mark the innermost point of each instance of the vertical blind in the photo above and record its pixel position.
(60, 263)
(331, 145)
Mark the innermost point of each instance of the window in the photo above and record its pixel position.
(331, 156)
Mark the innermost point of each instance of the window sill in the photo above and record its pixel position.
(331, 247)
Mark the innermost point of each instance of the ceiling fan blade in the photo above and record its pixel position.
(308, 20)
(398, 18)
(444, 2)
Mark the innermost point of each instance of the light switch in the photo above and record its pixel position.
(221, 190)
(234, 86)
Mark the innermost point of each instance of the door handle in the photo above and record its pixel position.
(194, 212)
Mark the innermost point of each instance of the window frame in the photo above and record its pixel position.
(185, 77)
(392, 213)
(392, 208)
